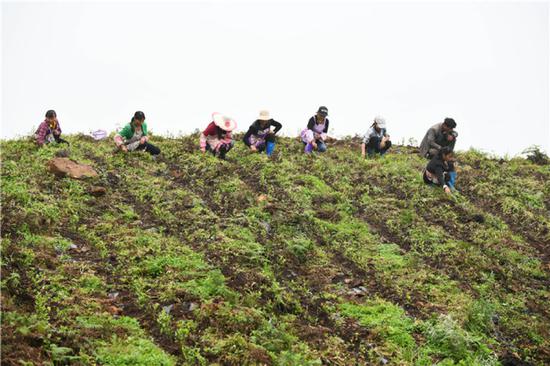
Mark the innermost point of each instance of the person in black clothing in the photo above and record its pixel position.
(315, 134)
(259, 136)
(440, 170)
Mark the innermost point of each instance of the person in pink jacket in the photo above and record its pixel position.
(216, 138)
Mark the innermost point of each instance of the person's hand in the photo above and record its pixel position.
(143, 140)
(203, 149)
(447, 190)
(314, 144)
(362, 154)
(253, 148)
(123, 148)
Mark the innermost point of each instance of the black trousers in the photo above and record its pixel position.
(150, 148)
(373, 146)
(221, 151)
(59, 140)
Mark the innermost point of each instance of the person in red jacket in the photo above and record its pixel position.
(216, 138)
(49, 130)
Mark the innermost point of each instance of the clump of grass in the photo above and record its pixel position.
(445, 338)
(132, 351)
(536, 155)
(388, 321)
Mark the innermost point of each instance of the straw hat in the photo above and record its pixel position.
(224, 122)
(264, 116)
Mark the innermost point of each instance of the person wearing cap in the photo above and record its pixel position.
(216, 138)
(134, 136)
(376, 140)
(315, 134)
(440, 170)
(259, 136)
(49, 130)
(438, 136)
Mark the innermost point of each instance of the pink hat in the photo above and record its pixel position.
(225, 123)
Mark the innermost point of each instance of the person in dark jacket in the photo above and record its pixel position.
(315, 134)
(438, 136)
(440, 170)
(259, 136)
(49, 130)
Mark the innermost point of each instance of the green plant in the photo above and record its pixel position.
(132, 352)
(386, 319)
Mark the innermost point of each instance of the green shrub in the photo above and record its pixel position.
(132, 351)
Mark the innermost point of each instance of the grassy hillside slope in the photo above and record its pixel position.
(299, 260)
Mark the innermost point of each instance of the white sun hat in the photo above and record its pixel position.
(264, 116)
(224, 122)
(380, 121)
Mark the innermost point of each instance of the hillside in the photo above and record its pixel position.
(299, 260)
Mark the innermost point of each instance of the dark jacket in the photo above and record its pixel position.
(438, 167)
(312, 122)
(435, 139)
(255, 129)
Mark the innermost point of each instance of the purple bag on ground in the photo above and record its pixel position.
(99, 135)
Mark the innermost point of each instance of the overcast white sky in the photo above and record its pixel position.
(484, 64)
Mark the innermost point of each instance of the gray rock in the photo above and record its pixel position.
(266, 226)
(168, 308)
(358, 291)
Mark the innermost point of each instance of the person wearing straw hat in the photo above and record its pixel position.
(216, 138)
(259, 136)
(376, 140)
(134, 136)
(315, 134)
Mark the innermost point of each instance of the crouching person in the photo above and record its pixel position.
(315, 134)
(376, 140)
(217, 138)
(259, 136)
(134, 136)
(440, 170)
(437, 137)
(49, 130)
